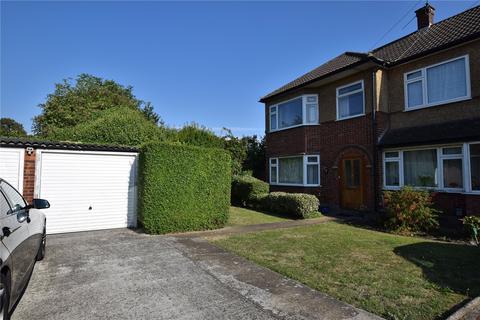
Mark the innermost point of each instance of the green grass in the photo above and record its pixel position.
(392, 276)
(242, 217)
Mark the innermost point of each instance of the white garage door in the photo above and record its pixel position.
(87, 190)
(11, 166)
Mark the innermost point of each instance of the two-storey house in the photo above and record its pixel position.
(406, 113)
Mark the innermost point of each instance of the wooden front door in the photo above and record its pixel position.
(351, 183)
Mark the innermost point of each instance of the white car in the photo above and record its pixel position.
(22, 243)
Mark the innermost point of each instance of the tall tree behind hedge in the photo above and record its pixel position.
(195, 135)
(119, 126)
(11, 128)
(77, 101)
(255, 160)
(238, 150)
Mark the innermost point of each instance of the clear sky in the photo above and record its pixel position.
(207, 62)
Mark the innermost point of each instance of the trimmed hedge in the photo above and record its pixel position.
(246, 188)
(298, 205)
(183, 188)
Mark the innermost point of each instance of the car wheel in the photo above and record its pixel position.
(43, 245)
(5, 298)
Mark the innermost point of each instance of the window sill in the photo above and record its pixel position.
(351, 117)
(433, 189)
(297, 126)
(295, 185)
(437, 104)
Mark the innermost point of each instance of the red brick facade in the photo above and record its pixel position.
(29, 176)
(333, 139)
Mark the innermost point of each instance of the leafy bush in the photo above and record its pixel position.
(183, 188)
(196, 135)
(120, 126)
(298, 205)
(473, 224)
(410, 210)
(245, 190)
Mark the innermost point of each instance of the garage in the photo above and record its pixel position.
(87, 190)
(11, 166)
(89, 187)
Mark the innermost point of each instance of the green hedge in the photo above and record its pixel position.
(183, 188)
(245, 188)
(298, 205)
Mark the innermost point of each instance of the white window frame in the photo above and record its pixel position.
(362, 90)
(273, 165)
(466, 170)
(305, 163)
(424, 79)
(399, 160)
(442, 157)
(274, 109)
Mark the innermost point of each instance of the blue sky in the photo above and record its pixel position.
(207, 62)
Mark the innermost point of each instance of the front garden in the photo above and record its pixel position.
(393, 276)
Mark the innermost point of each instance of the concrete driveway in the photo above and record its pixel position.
(120, 274)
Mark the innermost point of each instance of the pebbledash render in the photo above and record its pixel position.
(406, 113)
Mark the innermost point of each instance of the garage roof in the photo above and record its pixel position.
(60, 145)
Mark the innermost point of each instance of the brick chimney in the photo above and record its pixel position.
(425, 16)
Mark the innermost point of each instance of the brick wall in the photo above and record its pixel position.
(29, 176)
(333, 140)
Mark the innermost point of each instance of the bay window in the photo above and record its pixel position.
(454, 168)
(350, 101)
(444, 82)
(295, 170)
(299, 111)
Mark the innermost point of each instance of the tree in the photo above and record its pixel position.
(238, 150)
(11, 128)
(255, 161)
(77, 101)
(196, 135)
(119, 126)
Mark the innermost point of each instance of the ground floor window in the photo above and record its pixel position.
(295, 170)
(453, 167)
(475, 166)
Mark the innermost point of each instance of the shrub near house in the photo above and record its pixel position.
(183, 188)
(250, 192)
(410, 210)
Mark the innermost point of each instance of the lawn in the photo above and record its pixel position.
(392, 276)
(242, 217)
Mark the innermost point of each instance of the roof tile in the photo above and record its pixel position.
(456, 29)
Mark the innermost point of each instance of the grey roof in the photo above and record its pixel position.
(8, 142)
(337, 64)
(453, 131)
(460, 28)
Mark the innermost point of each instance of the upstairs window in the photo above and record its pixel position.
(295, 112)
(350, 101)
(441, 83)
